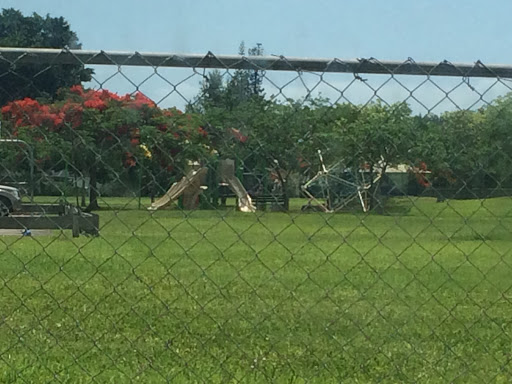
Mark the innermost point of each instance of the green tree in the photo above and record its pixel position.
(213, 92)
(276, 138)
(326, 129)
(34, 80)
(238, 88)
(256, 76)
(105, 136)
(459, 151)
(380, 137)
(496, 142)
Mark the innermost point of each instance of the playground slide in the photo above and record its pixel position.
(191, 180)
(244, 200)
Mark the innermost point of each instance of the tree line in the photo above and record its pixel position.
(129, 140)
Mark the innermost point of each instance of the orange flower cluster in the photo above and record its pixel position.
(100, 115)
(99, 99)
(30, 113)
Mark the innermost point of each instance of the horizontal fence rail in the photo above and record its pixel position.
(274, 63)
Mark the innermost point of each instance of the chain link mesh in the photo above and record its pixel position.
(253, 219)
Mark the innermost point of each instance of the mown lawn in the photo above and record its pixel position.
(421, 294)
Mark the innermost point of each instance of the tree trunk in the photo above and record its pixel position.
(93, 191)
(284, 187)
(376, 202)
(83, 202)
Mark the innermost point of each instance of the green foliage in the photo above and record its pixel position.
(256, 76)
(496, 140)
(467, 148)
(379, 136)
(107, 137)
(33, 80)
(276, 134)
(326, 130)
(228, 90)
(212, 92)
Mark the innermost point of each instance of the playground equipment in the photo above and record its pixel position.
(226, 172)
(191, 185)
(338, 187)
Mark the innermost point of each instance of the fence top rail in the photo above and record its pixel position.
(274, 63)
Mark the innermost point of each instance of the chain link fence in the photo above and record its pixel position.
(248, 219)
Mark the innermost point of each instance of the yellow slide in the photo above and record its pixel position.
(227, 175)
(190, 182)
(190, 187)
(244, 200)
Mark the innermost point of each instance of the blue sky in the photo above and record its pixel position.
(433, 30)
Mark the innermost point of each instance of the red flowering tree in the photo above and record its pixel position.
(103, 135)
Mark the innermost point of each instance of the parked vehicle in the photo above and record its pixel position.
(10, 200)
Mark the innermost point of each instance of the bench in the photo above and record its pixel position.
(277, 202)
(52, 217)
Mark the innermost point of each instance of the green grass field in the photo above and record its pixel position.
(421, 294)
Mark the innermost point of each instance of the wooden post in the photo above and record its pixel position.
(76, 224)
